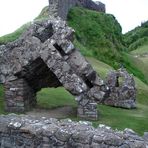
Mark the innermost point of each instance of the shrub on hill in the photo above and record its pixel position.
(137, 37)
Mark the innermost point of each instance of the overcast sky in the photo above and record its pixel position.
(14, 13)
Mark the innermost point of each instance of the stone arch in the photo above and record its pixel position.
(121, 95)
(44, 56)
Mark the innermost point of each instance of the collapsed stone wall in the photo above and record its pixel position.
(122, 91)
(44, 56)
(30, 132)
(61, 7)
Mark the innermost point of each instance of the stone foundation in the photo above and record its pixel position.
(30, 132)
(19, 96)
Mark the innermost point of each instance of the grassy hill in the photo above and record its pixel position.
(137, 37)
(137, 42)
(98, 36)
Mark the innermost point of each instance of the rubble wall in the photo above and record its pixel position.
(30, 132)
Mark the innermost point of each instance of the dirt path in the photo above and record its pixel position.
(61, 112)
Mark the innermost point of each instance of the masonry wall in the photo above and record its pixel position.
(19, 96)
(30, 132)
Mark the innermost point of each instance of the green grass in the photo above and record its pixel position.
(137, 37)
(140, 58)
(138, 44)
(140, 51)
(135, 66)
(97, 34)
(117, 118)
(55, 97)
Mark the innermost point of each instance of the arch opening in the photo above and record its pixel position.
(38, 75)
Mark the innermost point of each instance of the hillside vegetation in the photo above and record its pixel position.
(99, 34)
(137, 43)
(137, 37)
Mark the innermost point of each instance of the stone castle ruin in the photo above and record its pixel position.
(122, 89)
(61, 7)
(44, 56)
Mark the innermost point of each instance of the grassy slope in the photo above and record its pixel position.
(55, 97)
(141, 58)
(137, 37)
(137, 43)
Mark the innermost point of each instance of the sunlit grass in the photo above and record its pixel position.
(55, 97)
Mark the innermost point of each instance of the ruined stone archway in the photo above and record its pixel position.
(122, 93)
(44, 56)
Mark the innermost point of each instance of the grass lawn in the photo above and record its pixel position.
(55, 97)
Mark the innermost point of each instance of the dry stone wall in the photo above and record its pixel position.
(44, 56)
(61, 7)
(30, 132)
(122, 89)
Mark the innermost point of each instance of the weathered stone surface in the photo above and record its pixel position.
(122, 91)
(44, 56)
(61, 7)
(145, 137)
(28, 131)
